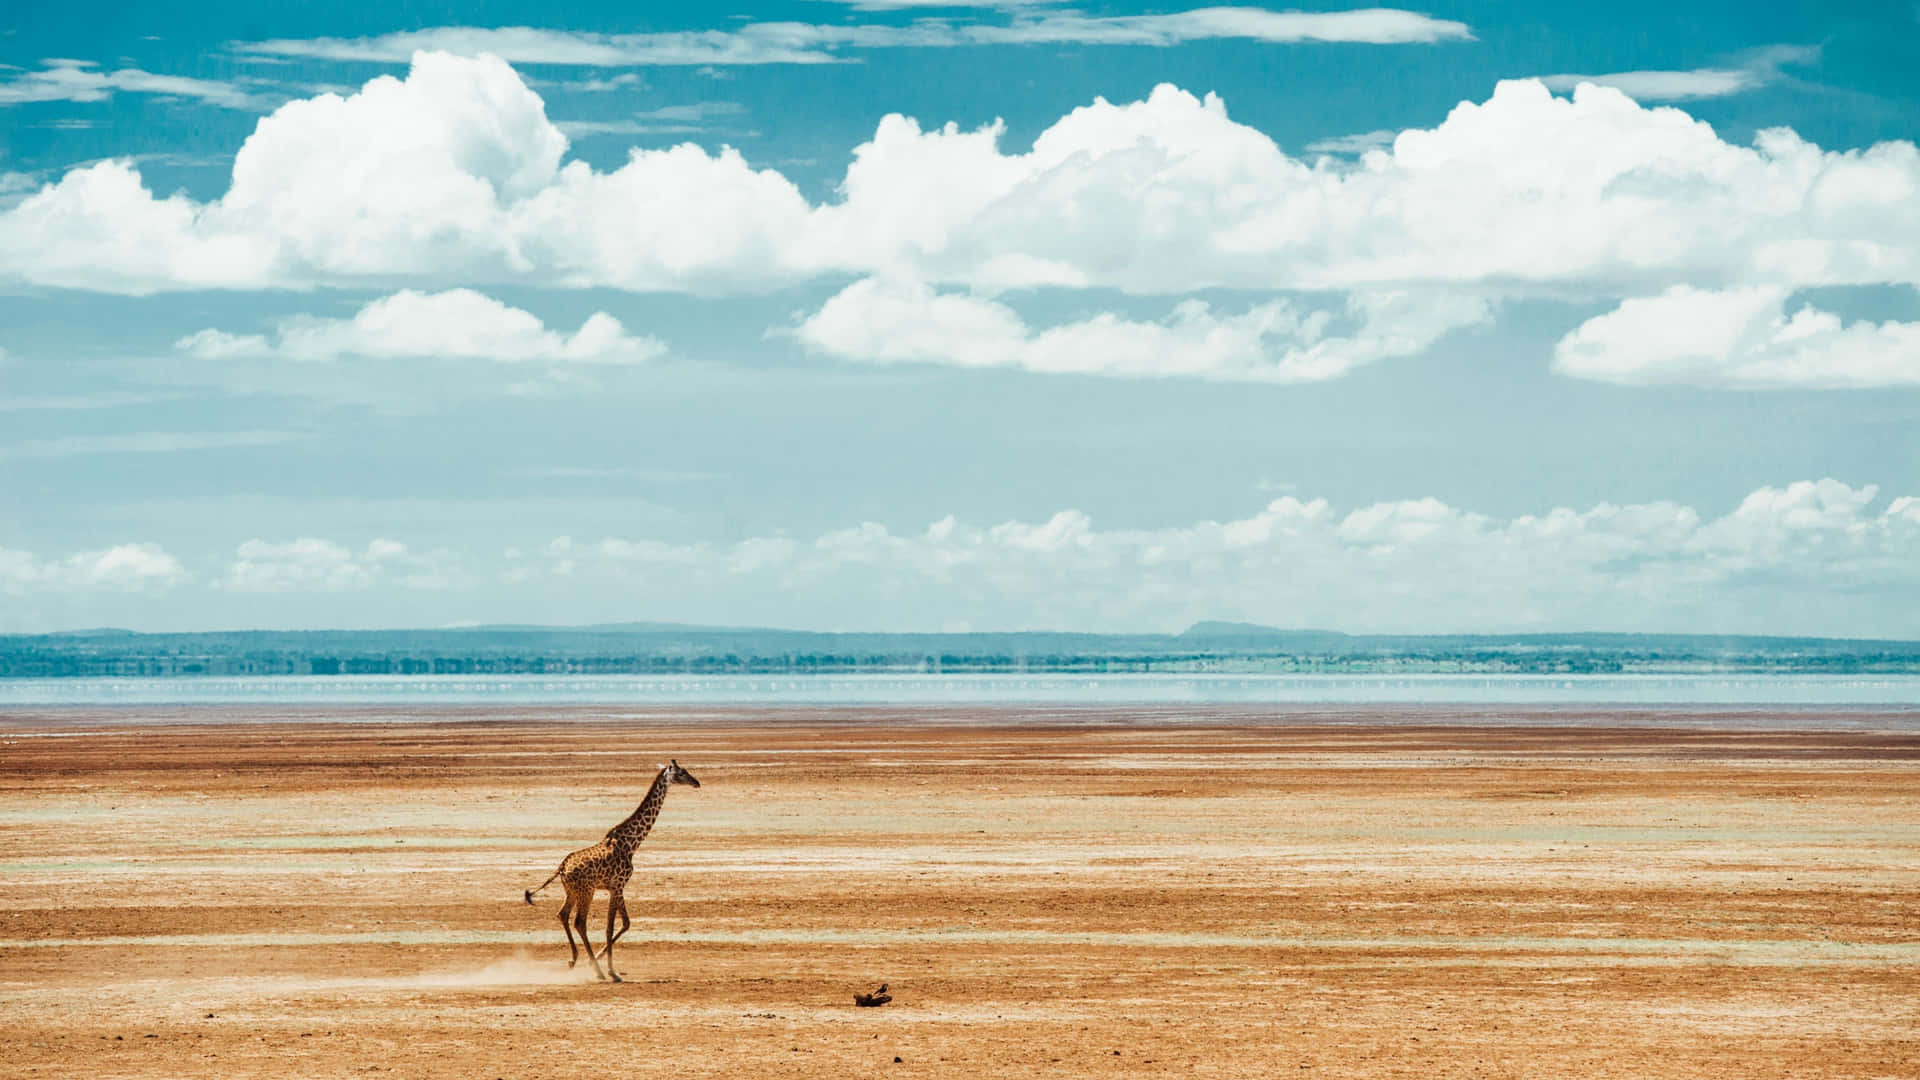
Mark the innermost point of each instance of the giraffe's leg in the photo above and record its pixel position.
(580, 924)
(616, 905)
(566, 914)
(624, 921)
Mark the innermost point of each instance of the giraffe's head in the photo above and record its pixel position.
(678, 775)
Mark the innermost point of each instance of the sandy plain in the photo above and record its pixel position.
(1152, 892)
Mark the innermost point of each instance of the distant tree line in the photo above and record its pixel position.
(698, 651)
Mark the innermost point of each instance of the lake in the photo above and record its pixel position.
(1707, 689)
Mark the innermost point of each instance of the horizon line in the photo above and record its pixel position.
(1215, 627)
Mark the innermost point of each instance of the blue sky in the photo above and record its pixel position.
(1465, 317)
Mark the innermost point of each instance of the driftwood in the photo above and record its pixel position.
(877, 998)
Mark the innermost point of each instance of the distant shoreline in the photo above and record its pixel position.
(653, 649)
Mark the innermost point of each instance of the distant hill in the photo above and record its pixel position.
(1254, 636)
(649, 647)
(612, 628)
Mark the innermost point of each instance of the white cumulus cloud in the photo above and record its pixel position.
(456, 324)
(1524, 191)
(1739, 338)
(1278, 341)
(316, 565)
(122, 568)
(416, 175)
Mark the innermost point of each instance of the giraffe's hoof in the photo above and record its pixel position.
(616, 978)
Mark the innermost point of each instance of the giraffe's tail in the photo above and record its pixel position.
(543, 885)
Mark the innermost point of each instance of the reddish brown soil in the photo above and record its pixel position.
(1048, 893)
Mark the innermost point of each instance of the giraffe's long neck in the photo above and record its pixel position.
(628, 834)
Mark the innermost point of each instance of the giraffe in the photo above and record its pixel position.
(607, 865)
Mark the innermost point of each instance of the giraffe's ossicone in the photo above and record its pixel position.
(607, 865)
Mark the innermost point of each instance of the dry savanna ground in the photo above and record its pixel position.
(1239, 892)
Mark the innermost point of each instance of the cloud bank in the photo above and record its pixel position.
(456, 324)
(1761, 67)
(1787, 560)
(76, 80)
(1801, 559)
(817, 43)
(456, 171)
(454, 175)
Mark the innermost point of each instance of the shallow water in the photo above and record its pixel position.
(917, 689)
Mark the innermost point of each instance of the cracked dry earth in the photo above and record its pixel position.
(1209, 892)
